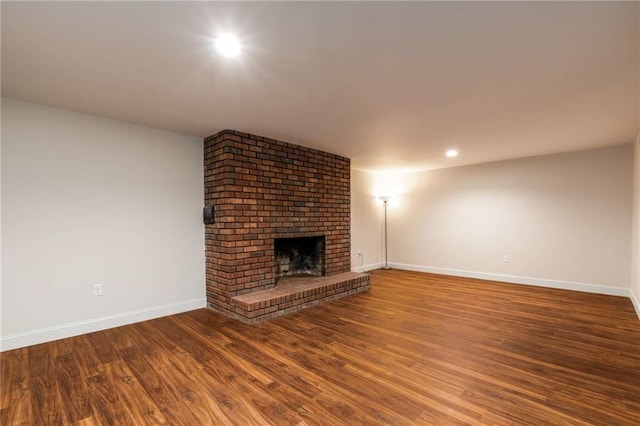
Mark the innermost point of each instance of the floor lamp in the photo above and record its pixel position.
(385, 199)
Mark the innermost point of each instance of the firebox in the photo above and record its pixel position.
(299, 256)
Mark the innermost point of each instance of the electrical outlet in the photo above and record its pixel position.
(506, 258)
(97, 289)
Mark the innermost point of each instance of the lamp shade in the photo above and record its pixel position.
(385, 197)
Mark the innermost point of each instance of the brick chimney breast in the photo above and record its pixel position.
(263, 189)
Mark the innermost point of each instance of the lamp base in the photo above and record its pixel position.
(386, 268)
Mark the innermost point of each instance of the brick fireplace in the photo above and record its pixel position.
(267, 195)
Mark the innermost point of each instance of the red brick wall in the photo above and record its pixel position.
(263, 189)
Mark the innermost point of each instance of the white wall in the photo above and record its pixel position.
(88, 200)
(635, 250)
(366, 225)
(564, 219)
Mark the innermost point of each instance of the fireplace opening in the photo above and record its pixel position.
(299, 256)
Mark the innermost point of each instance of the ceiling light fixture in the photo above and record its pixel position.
(451, 153)
(228, 45)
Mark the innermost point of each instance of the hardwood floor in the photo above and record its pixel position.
(417, 349)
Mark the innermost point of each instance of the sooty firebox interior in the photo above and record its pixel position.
(299, 256)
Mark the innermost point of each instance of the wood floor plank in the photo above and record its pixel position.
(46, 402)
(133, 398)
(15, 394)
(15, 375)
(72, 388)
(418, 348)
(102, 345)
(105, 401)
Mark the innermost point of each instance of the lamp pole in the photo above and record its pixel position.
(385, 200)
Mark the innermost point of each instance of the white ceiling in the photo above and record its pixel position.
(390, 85)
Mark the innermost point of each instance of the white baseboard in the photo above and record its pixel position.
(20, 340)
(635, 301)
(517, 279)
(367, 268)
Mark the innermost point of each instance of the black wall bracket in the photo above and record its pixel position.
(208, 215)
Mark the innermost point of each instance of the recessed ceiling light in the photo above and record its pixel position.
(228, 45)
(451, 153)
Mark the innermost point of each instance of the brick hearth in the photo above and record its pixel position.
(262, 189)
(294, 293)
